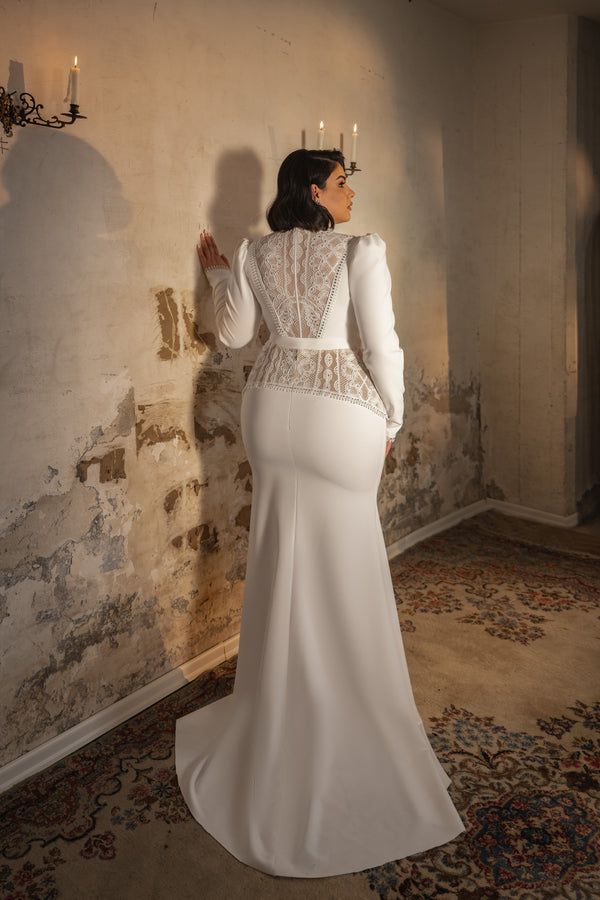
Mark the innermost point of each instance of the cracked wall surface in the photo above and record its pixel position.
(127, 493)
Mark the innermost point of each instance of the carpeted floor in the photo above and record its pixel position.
(500, 620)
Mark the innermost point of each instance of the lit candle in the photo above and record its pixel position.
(321, 135)
(354, 143)
(74, 82)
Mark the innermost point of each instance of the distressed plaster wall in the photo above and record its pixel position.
(126, 491)
(524, 260)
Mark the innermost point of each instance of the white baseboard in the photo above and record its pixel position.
(73, 739)
(415, 537)
(534, 515)
(510, 509)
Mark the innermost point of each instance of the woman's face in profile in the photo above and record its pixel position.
(336, 196)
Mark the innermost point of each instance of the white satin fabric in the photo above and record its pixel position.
(318, 763)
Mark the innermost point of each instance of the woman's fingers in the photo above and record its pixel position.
(208, 251)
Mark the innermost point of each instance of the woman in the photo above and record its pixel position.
(318, 763)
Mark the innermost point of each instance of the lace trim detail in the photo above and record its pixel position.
(340, 374)
(287, 387)
(332, 293)
(296, 273)
(259, 286)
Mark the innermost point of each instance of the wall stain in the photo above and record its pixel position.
(243, 470)
(412, 455)
(193, 339)
(243, 517)
(167, 320)
(201, 538)
(204, 436)
(171, 500)
(276, 36)
(373, 72)
(198, 538)
(112, 465)
(124, 421)
(152, 426)
(494, 490)
(216, 407)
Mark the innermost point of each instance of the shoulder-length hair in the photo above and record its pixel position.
(294, 205)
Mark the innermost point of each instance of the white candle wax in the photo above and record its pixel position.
(321, 135)
(74, 76)
(354, 143)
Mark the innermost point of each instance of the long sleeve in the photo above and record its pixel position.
(237, 311)
(370, 285)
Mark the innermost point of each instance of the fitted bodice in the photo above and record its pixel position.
(301, 280)
(326, 299)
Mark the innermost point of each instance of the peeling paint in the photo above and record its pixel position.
(201, 538)
(192, 338)
(153, 426)
(173, 497)
(28, 546)
(203, 436)
(168, 322)
(112, 465)
(243, 470)
(217, 406)
(243, 517)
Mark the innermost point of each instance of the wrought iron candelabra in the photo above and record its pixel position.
(352, 168)
(27, 112)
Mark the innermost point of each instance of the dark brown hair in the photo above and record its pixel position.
(294, 205)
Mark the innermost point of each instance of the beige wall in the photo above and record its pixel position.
(584, 185)
(522, 259)
(126, 491)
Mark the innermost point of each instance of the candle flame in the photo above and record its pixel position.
(321, 126)
(355, 128)
(75, 63)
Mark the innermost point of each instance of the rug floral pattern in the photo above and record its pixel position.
(511, 589)
(529, 799)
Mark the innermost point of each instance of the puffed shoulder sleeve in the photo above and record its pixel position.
(237, 311)
(370, 284)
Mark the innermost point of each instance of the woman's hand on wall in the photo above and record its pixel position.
(388, 446)
(208, 252)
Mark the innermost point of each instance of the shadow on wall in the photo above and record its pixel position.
(234, 212)
(62, 304)
(60, 265)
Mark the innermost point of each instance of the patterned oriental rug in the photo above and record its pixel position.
(501, 628)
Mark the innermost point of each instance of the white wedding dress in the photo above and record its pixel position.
(318, 763)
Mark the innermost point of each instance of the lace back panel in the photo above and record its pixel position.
(295, 274)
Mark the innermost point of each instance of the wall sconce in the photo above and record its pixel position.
(350, 170)
(27, 111)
